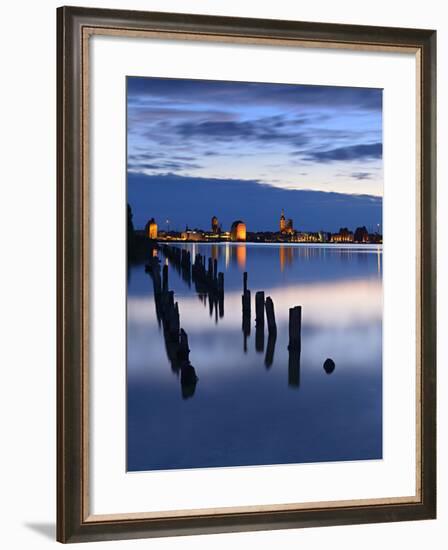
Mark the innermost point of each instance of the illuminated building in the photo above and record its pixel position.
(238, 231)
(215, 225)
(190, 235)
(282, 222)
(361, 235)
(344, 236)
(304, 237)
(151, 229)
(286, 226)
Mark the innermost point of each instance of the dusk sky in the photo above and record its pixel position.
(238, 137)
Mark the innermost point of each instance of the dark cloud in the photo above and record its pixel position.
(263, 130)
(370, 151)
(217, 129)
(162, 166)
(181, 122)
(361, 176)
(252, 93)
(142, 114)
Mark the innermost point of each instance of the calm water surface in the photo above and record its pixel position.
(253, 403)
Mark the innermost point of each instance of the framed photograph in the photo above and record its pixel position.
(246, 274)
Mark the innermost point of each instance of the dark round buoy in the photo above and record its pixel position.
(329, 366)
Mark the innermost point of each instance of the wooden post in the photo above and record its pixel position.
(270, 315)
(215, 269)
(174, 322)
(245, 298)
(184, 350)
(165, 278)
(270, 349)
(210, 304)
(221, 282)
(259, 338)
(294, 367)
(156, 277)
(210, 269)
(246, 303)
(246, 332)
(259, 308)
(295, 328)
(188, 380)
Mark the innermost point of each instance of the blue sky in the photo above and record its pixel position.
(236, 136)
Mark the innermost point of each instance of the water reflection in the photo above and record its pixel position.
(286, 256)
(285, 372)
(241, 256)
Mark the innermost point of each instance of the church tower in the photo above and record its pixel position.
(282, 222)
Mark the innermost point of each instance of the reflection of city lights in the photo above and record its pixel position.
(227, 255)
(286, 256)
(378, 256)
(241, 255)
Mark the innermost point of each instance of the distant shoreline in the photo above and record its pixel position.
(365, 246)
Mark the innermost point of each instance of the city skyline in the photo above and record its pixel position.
(238, 231)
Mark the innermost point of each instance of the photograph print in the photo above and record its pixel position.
(254, 274)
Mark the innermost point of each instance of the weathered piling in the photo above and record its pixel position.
(259, 338)
(259, 308)
(153, 268)
(270, 349)
(295, 328)
(175, 337)
(207, 281)
(165, 278)
(180, 259)
(188, 380)
(183, 351)
(294, 367)
(210, 269)
(246, 332)
(270, 316)
(211, 306)
(221, 282)
(246, 303)
(246, 299)
(175, 321)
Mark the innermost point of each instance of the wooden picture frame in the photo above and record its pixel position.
(74, 28)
